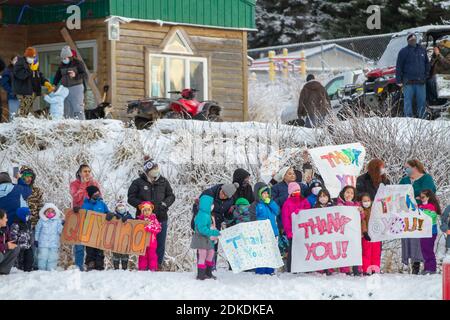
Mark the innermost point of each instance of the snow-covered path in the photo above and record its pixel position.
(73, 284)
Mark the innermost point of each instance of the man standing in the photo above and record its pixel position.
(151, 186)
(413, 68)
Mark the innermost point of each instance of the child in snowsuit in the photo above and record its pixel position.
(238, 213)
(267, 209)
(21, 234)
(430, 206)
(324, 201)
(293, 205)
(120, 213)
(149, 261)
(314, 187)
(48, 233)
(371, 251)
(347, 197)
(56, 101)
(95, 258)
(204, 237)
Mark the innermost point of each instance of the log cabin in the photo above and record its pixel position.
(141, 48)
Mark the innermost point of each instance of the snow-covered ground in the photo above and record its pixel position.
(105, 285)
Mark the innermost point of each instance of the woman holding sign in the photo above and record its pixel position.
(370, 181)
(420, 180)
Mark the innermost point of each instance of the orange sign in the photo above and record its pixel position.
(91, 229)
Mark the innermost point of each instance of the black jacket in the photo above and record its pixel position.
(25, 81)
(63, 76)
(243, 191)
(158, 192)
(364, 184)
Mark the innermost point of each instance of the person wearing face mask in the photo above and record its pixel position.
(420, 180)
(371, 251)
(412, 70)
(293, 205)
(95, 258)
(370, 181)
(28, 81)
(242, 177)
(314, 187)
(120, 213)
(47, 237)
(152, 186)
(72, 74)
(6, 82)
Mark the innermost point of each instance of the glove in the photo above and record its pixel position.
(34, 66)
(76, 209)
(36, 244)
(49, 87)
(109, 216)
(266, 200)
(366, 236)
(125, 218)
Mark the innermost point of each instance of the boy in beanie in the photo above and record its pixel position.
(314, 188)
(120, 213)
(94, 257)
(239, 213)
(149, 261)
(21, 234)
(267, 209)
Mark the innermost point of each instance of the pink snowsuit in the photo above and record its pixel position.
(341, 202)
(292, 206)
(149, 261)
(371, 251)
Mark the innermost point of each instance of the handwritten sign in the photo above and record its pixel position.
(326, 238)
(395, 215)
(250, 245)
(91, 229)
(339, 165)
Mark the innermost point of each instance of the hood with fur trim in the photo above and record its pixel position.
(59, 214)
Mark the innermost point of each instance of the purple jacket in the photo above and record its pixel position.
(5, 237)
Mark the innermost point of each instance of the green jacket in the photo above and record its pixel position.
(426, 182)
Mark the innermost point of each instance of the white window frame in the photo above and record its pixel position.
(80, 44)
(187, 71)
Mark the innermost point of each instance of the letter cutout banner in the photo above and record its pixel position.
(326, 238)
(91, 229)
(339, 165)
(395, 215)
(251, 245)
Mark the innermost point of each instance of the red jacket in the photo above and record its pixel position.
(78, 191)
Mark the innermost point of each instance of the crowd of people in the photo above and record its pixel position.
(23, 81)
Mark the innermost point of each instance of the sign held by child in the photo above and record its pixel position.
(326, 238)
(251, 245)
(93, 230)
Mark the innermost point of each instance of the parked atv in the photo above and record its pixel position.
(146, 111)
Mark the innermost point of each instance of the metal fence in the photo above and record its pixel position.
(335, 55)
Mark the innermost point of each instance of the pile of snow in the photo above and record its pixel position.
(125, 285)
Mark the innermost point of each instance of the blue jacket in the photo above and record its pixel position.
(95, 205)
(56, 101)
(268, 212)
(202, 220)
(312, 199)
(48, 231)
(6, 82)
(412, 64)
(12, 197)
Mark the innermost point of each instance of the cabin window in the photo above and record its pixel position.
(175, 73)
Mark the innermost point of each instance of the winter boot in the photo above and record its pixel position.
(415, 268)
(124, 264)
(209, 275)
(201, 273)
(116, 264)
(356, 272)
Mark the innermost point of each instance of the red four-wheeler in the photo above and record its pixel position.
(146, 111)
(381, 91)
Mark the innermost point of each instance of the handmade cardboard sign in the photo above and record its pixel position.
(250, 245)
(395, 215)
(326, 238)
(339, 165)
(91, 229)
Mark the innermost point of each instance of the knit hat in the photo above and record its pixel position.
(66, 52)
(30, 52)
(91, 190)
(242, 202)
(279, 177)
(23, 213)
(230, 189)
(292, 187)
(149, 165)
(315, 183)
(146, 204)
